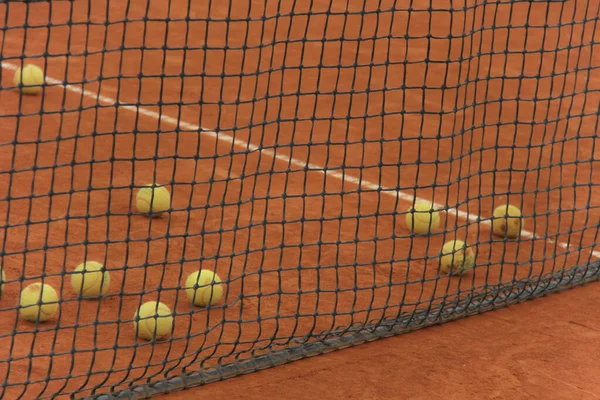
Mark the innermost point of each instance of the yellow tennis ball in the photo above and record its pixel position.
(153, 199)
(456, 257)
(203, 288)
(153, 320)
(29, 79)
(3, 278)
(39, 302)
(89, 280)
(423, 218)
(507, 221)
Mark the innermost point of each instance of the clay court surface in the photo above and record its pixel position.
(544, 349)
(289, 179)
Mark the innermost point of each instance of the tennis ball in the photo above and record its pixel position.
(507, 221)
(3, 279)
(203, 288)
(157, 195)
(89, 280)
(29, 79)
(39, 302)
(422, 218)
(456, 257)
(153, 320)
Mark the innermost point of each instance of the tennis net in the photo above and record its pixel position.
(316, 156)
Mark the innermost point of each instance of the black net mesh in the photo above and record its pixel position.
(293, 139)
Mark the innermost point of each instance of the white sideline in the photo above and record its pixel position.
(289, 160)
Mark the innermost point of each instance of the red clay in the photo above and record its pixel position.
(353, 247)
(541, 350)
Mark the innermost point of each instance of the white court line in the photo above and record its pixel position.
(362, 183)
